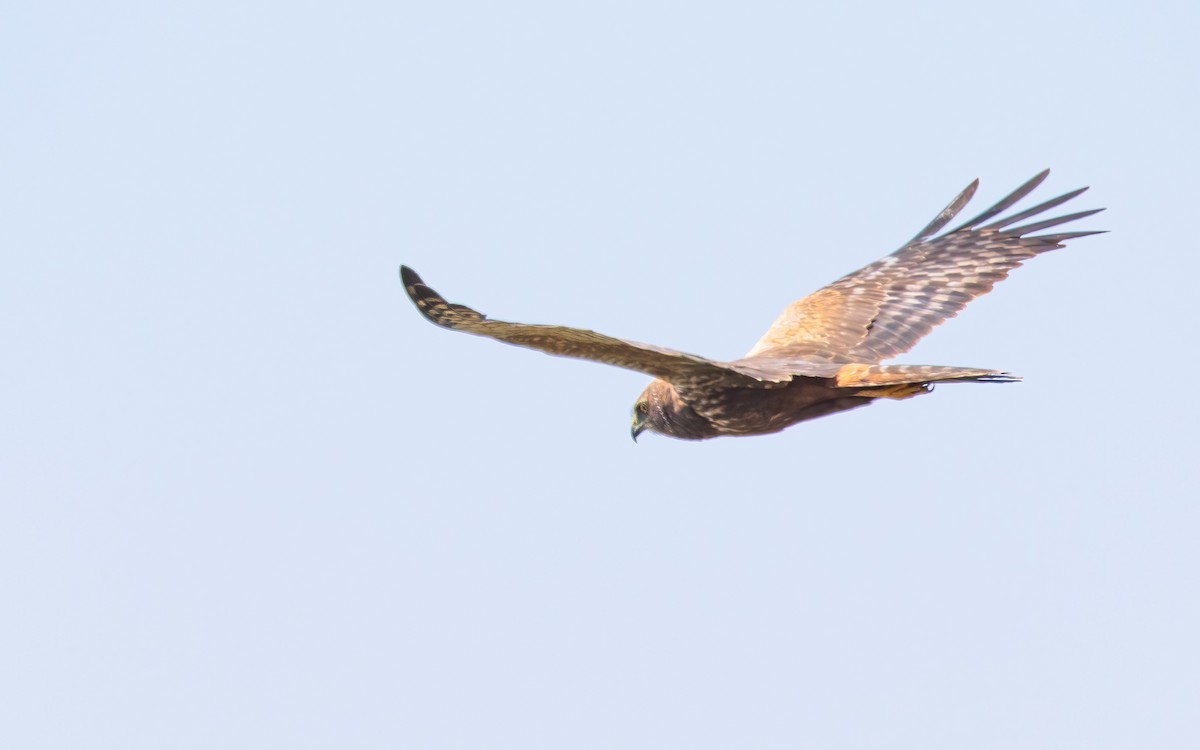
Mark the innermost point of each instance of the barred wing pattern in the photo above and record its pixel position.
(884, 309)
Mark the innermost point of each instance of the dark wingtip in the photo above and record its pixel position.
(433, 306)
(1005, 203)
(948, 213)
(1062, 237)
(1038, 226)
(421, 295)
(409, 276)
(413, 285)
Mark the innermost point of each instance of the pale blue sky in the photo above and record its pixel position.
(251, 499)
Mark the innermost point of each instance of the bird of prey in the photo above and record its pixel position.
(823, 354)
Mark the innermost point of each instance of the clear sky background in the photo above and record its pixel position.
(251, 499)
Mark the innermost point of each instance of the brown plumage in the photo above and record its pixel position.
(822, 355)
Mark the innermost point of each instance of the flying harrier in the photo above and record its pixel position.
(822, 355)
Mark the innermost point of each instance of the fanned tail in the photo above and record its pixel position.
(860, 376)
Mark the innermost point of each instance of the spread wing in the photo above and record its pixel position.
(670, 365)
(884, 309)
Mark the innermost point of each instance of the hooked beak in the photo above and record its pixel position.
(639, 426)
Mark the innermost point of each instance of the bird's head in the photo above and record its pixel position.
(642, 419)
(659, 409)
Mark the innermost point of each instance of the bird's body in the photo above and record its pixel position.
(743, 411)
(696, 414)
(822, 355)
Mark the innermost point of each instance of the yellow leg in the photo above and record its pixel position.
(899, 391)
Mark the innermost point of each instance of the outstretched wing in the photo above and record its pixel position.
(884, 309)
(676, 367)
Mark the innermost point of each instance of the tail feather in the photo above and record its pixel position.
(859, 376)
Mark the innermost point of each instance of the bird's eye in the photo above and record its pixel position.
(643, 407)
